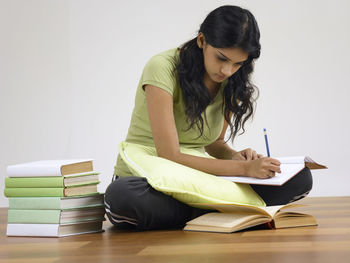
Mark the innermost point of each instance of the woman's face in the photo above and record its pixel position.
(221, 63)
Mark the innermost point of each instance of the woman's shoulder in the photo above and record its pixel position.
(167, 58)
(160, 71)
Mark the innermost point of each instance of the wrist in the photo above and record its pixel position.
(245, 166)
(237, 168)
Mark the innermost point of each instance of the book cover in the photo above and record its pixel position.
(25, 216)
(58, 192)
(56, 202)
(50, 168)
(53, 230)
(51, 181)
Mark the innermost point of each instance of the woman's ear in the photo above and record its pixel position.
(200, 40)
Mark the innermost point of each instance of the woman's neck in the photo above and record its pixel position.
(213, 87)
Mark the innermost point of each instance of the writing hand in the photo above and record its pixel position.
(263, 168)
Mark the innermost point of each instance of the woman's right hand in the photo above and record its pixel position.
(263, 168)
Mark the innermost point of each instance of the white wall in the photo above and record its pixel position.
(69, 70)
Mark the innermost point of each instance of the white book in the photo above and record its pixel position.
(53, 230)
(290, 166)
(50, 168)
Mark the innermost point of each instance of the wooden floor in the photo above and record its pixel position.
(329, 242)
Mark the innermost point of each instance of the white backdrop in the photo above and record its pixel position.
(69, 71)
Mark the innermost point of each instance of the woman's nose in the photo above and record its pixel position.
(229, 70)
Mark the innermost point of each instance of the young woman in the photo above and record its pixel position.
(188, 97)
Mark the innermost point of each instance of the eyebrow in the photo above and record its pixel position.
(230, 59)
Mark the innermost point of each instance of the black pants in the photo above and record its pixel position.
(132, 203)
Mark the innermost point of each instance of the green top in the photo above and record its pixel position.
(160, 71)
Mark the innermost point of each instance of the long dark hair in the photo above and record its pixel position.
(224, 27)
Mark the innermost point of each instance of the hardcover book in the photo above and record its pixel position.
(54, 230)
(50, 168)
(56, 202)
(58, 192)
(26, 216)
(232, 218)
(52, 181)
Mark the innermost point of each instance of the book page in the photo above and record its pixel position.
(223, 219)
(273, 210)
(291, 159)
(246, 209)
(234, 208)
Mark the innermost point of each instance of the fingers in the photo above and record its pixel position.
(238, 156)
(271, 174)
(267, 174)
(274, 168)
(255, 155)
(274, 161)
(250, 154)
(273, 165)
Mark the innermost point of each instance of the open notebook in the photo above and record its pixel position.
(290, 166)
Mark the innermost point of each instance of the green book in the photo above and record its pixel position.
(16, 216)
(52, 181)
(54, 230)
(56, 202)
(58, 192)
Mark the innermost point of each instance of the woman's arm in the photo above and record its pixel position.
(219, 149)
(160, 112)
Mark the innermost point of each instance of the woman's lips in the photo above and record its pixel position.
(221, 77)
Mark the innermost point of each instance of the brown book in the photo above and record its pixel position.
(80, 190)
(232, 218)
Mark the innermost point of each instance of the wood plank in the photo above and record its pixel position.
(328, 242)
(259, 247)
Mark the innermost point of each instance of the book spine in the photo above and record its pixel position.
(32, 192)
(44, 230)
(33, 216)
(35, 203)
(34, 182)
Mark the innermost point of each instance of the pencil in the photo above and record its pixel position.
(266, 143)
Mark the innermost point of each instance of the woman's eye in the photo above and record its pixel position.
(222, 59)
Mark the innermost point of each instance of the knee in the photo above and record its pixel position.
(120, 194)
(303, 185)
(306, 177)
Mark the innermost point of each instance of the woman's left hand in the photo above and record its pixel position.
(246, 155)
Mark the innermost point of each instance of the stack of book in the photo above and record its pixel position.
(53, 198)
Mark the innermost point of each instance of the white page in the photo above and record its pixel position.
(288, 170)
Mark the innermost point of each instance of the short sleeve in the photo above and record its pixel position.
(160, 72)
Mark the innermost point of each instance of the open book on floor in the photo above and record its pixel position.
(232, 218)
(290, 166)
